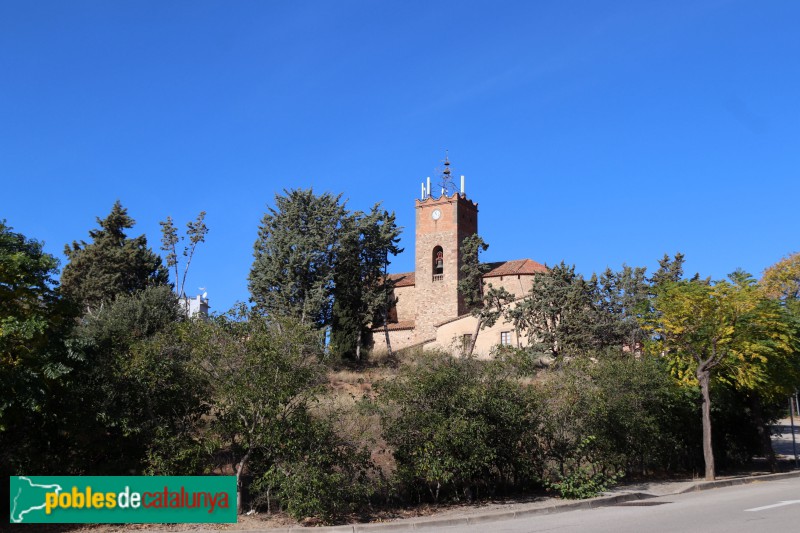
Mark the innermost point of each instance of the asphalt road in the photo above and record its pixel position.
(757, 507)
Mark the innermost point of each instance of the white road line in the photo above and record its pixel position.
(781, 504)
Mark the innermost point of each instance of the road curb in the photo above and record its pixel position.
(421, 524)
(718, 483)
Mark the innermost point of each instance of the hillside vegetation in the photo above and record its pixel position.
(623, 375)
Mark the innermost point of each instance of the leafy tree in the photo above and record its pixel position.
(557, 314)
(27, 278)
(775, 373)
(362, 290)
(112, 264)
(295, 253)
(33, 360)
(381, 238)
(620, 299)
(196, 232)
(132, 379)
(472, 270)
(487, 306)
(720, 329)
(261, 372)
(782, 280)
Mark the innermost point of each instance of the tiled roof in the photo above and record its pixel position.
(394, 326)
(515, 267)
(406, 279)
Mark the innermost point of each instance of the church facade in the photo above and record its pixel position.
(428, 310)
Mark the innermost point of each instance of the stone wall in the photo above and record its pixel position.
(406, 303)
(401, 338)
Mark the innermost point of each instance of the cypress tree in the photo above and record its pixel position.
(292, 274)
(362, 291)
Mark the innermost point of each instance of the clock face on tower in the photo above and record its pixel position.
(436, 214)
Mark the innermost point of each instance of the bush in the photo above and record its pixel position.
(641, 414)
(133, 379)
(459, 428)
(611, 414)
(583, 476)
(314, 473)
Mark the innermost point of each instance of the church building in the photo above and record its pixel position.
(428, 310)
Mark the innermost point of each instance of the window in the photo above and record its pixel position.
(438, 264)
(466, 342)
(505, 338)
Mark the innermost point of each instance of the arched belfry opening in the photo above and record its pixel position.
(438, 263)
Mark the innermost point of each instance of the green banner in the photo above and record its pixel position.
(122, 499)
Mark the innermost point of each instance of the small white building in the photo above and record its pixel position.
(195, 306)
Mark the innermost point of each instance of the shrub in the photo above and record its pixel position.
(584, 476)
(313, 473)
(459, 428)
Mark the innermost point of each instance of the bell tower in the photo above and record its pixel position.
(441, 226)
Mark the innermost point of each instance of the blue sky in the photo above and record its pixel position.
(598, 133)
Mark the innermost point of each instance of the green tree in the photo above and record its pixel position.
(486, 305)
(558, 314)
(640, 413)
(262, 374)
(196, 232)
(112, 264)
(132, 380)
(348, 302)
(27, 278)
(718, 330)
(670, 270)
(362, 290)
(295, 252)
(782, 280)
(620, 299)
(33, 360)
(774, 373)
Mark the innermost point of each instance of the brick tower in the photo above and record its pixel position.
(441, 226)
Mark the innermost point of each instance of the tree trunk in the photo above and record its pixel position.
(358, 346)
(704, 377)
(763, 432)
(386, 331)
(386, 309)
(474, 338)
(239, 470)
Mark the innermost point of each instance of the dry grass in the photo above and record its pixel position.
(347, 391)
